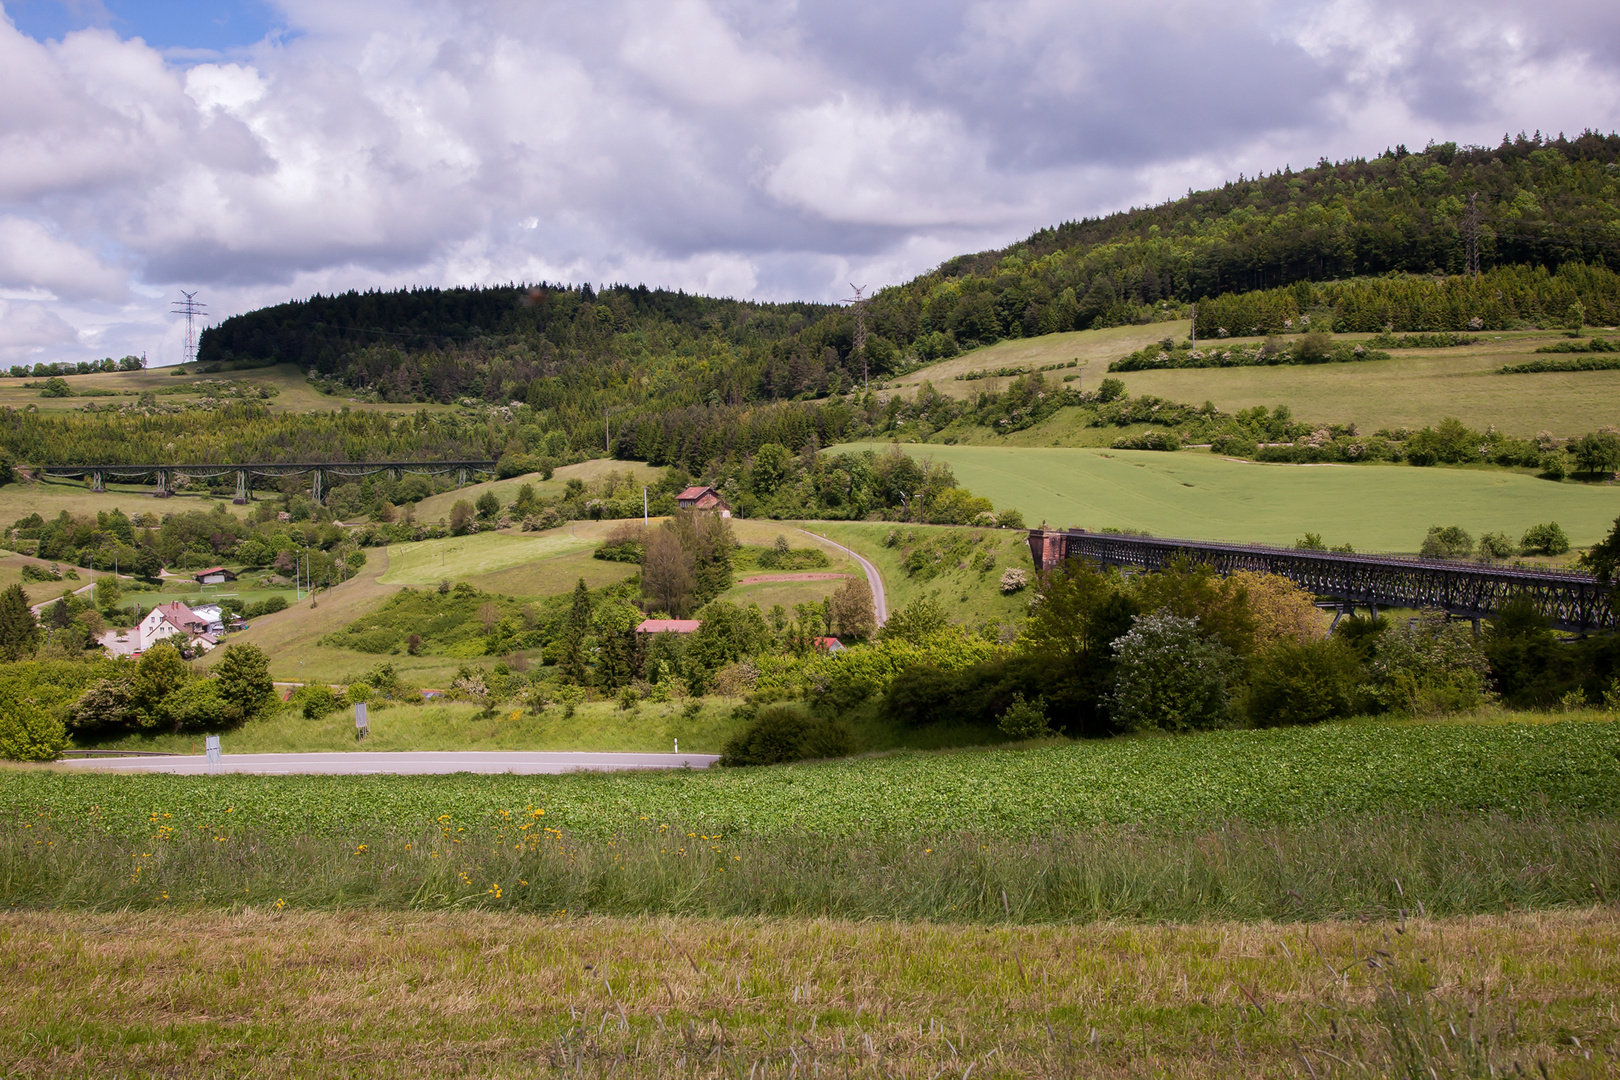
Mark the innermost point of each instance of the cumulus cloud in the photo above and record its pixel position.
(743, 147)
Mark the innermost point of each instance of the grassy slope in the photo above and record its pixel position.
(438, 506)
(40, 591)
(1413, 388)
(257, 991)
(293, 392)
(966, 594)
(601, 726)
(1197, 495)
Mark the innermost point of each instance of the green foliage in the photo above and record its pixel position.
(489, 506)
(447, 624)
(1024, 719)
(787, 732)
(783, 557)
(160, 673)
(1544, 539)
(1448, 542)
(1313, 348)
(197, 705)
(29, 731)
(916, 622)
(1432, 667)
(1598, 451)
(1170, 676)
(1497, 545)
(1303, 682)
(315, 701)
(19, 630)
(243, 677)
(1603, 559)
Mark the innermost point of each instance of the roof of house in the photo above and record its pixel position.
(671, 626)
(212, 570)
(829, 643)
(696, 492)
(179, 615)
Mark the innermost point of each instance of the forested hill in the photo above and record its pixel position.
(571, 352)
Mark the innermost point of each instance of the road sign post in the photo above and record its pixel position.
(362, 726)
(211, 745)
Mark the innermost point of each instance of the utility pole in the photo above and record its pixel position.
(859, 302)
(193, 309)
(1192, 335)
(1471, 232)
(644, 518)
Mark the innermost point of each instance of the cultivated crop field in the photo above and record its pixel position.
(1199, 496)
(1281, 776)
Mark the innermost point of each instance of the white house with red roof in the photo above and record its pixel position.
(702, 498)
(174, 620)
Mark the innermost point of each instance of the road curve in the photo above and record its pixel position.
(366, 762)
(880, 603)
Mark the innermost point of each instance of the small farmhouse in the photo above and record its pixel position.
(173, 620)
(830, 644)
(215, 575)
(702, 498)
(213, 615)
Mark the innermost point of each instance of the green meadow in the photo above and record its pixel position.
(1196, 495)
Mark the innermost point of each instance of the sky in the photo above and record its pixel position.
(263, 150)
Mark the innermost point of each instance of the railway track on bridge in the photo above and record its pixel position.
(1572, 601)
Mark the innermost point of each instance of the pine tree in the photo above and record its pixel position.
(19, 630)
(574, 629)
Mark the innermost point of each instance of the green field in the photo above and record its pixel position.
(966, 594)
(438, 506)
(456, 558)
(1513, 766)
(1196, 495)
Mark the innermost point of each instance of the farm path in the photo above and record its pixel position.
(755, 579)
(361, 762)
(39, 608)
(880, 603)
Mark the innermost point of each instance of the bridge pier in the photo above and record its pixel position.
(315, 484)
(162, 491)
(96, 482)
(461, 478)
(244, 494)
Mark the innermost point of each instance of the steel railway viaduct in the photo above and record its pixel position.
(163, 476)
(1572, 601)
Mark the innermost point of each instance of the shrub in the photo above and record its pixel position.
(1495, 545)
(1547, 539)
(357, 692)
(1450, 542)
(1303, 682)
(196, 706)
(30, 732)
(317, 701)
(1024, 719)
(786, 732)
(243, 674)
(1170, 676)
(1014, 580)
(1429, 667)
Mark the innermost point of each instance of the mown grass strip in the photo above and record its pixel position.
(1285, 776)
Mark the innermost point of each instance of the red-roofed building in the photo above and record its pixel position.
(702, 498)
(668, 626)
(215, 575)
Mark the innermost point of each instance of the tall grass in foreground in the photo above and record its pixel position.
(266, 992)
(1434, 864)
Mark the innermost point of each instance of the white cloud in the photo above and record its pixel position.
(746, 147)
(32, 259)
(27, 330)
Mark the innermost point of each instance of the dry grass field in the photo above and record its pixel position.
(1413, 388)
(256, 991)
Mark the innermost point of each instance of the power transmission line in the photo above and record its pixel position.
(193, 309)
(859, 301)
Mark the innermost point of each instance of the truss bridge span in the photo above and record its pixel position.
(1572, 601)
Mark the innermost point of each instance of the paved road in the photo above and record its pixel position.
(880, 603)
(361, 762)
